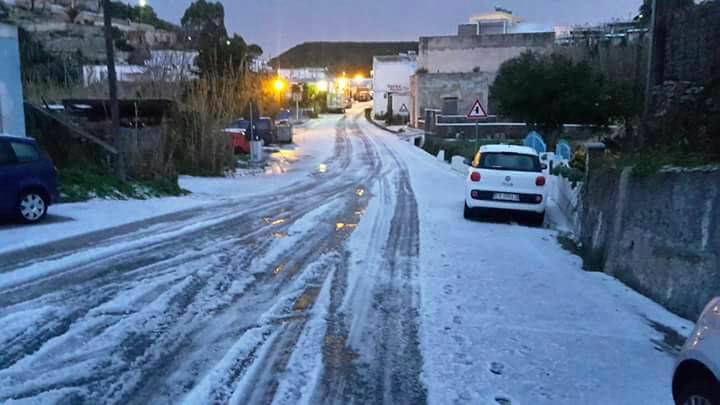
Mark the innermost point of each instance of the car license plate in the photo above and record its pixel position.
(506, 197)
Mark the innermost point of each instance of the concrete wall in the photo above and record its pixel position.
(429, 89)
(659, 234)
(485, 53)
(12, 116)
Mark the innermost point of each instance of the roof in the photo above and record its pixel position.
(396, 58)
(494, 17)
(501, 148)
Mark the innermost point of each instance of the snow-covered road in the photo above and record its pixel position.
(353, 279)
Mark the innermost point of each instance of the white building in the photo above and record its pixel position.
(12, 115)
(304, 75)
(163, 65)
(391, 76)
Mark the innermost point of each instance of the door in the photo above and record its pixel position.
(8, 179)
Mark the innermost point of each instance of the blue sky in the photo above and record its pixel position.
(277, 25)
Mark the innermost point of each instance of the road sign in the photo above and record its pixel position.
(477, 111)
(404, 110)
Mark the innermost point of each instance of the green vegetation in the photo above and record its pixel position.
(338, 57)
(144, 15)
(41, 66)
(204, 21)
(82, 184)
(573, 175)
(548, 91)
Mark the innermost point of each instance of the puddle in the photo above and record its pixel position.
(307, 299)
(270, 221)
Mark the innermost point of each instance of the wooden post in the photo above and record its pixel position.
(112, 82)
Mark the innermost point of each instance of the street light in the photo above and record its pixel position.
(279, 85)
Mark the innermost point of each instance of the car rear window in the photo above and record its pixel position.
(7, 156)
(263, 125)
(25, 152)
(509, 161)
(241, 124)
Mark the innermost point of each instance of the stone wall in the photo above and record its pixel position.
(659, 234)
(621, 58)
(691, 43)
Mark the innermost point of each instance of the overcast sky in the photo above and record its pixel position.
(277, 25)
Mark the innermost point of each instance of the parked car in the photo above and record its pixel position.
(506, 177)
(697, 369)
(238, 131)
(28, 179)
(265, 129)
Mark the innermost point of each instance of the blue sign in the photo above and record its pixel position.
(535, 141)
(563, 150)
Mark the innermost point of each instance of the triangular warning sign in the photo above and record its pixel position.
(477, 111)
(404, 109)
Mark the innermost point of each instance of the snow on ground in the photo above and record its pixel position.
(508, 315)
(289, 165)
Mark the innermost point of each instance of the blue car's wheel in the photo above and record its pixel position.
(32, 206)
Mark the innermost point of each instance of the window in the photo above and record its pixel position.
(7, 156)
(450, 106)
(25, 152)
(509, 161)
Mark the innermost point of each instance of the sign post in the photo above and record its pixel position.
(477, 112)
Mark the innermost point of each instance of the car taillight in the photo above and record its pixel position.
(475, 176)
(540, 181)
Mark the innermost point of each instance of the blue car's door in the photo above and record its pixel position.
(8, 179)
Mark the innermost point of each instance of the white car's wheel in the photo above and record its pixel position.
(699, 393)
(32, 206)
(468, 212)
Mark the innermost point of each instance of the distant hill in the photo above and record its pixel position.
(350, 57)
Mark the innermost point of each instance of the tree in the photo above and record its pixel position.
(547, 91)
(645, 11)
(205, 22)
(205, 19)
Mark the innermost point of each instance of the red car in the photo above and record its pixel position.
(237, 132)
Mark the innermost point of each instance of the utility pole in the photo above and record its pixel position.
(112, 82)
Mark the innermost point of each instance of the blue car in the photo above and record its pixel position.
(28, 179)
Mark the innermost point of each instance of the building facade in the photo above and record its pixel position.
(454, 71)
(391, 78)
(12, 115)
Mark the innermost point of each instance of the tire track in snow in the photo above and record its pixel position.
(386, 367)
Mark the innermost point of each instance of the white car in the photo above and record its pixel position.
(507, 177)
(697, 368)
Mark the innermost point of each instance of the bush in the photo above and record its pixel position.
(573, 175)
(82, 184)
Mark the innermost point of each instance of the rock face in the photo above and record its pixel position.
(81, 5)
(659, 234)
